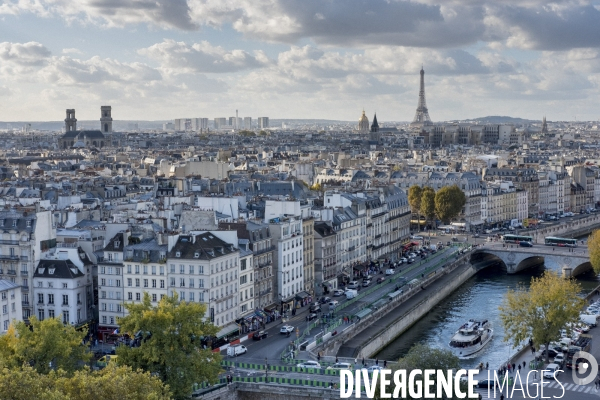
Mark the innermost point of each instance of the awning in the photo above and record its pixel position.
(229, 329)
(302, 295)
(363, 313)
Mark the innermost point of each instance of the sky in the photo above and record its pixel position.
(315, 59)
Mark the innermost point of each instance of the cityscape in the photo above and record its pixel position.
(206, 208)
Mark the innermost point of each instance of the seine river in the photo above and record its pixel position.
(478, 298)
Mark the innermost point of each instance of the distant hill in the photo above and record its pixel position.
(496, 119)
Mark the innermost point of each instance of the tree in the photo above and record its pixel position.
(111, 383)
(44, 345)
(449, 202)
(428, 204)
(170, 345)
(414, 200)
(542, 311)
(424, 357)
(593, 244)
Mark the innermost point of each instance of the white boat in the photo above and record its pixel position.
(471, 337)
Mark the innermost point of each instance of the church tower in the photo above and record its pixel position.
(106, 120)
(363, 123)
(375, 125)
(70, 121)
(544, 126)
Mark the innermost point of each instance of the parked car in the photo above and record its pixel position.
(380, 279)
(324, 300)
(314, 308)
(286, 329)
(260, 335)
(353, 285)
(550, 370)
(373, 368)
(338, 292)
(234, 351)
(525, 244)
(403, 259)
(366, 282)
(309, 364)
(559, 359)
(311, 316)
(333, 303)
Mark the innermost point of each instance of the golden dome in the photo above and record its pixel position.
(363, 118)
(363, 123)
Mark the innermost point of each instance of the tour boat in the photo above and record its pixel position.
(471, 337)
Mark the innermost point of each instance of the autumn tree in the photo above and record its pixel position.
(414, 200)
(45, 345)
(540, 312)
(423, 357)
(428, 204)
(593, 244)
(449, 202)
(170, 345)
(111, 383)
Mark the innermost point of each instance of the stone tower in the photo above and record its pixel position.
(375, 125)
(106, 120)
(544, 126)
(422, 114)
(70, 121)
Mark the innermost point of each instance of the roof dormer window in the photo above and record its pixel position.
(178, 254)
(51, 271)
(28, 223)
(117, 244)
(14, 222)
(196, 255)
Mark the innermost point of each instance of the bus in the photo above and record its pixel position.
(516, 239)
(563, 242)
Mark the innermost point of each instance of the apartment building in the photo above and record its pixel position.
(326, 258)
(10, 295)
(308, 233)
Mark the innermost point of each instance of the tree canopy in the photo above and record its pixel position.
(111, 383)
(593, 244)
(423, 357)
(414, 198)
(45, 345)
(449, 202)
(428, 203)
(170, 343)
(541, 311)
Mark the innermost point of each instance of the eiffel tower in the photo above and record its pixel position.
(422, 114)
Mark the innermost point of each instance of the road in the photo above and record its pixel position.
(270, 349)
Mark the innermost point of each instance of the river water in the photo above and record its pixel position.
(478, 298)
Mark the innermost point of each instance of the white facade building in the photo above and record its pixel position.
(10, 295)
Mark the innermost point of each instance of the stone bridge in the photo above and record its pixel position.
(564, 260)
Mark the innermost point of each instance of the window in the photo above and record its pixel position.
(172, 268)
(5, 309)
(129, 281)
(50, 313)
(182, 282)
(137, 269)
(65, 300)
(40, 284)
(191, 296)
(102, 282)
(111, 307)
(118, 281)
(191, 269)
(200, 283)
(243, 279)
(191, 282)
(182, 295)
(110, 269)
(65, 317)
(112, 320)
(145, 282)
(65, 285)
(6, 322)
(50, 299)
(145, 270)
(153, 296)
(129, 269)
(103, 294)
(153, 283)
(78, 298)
(162, 283)
(162, 270)
(40, 298)
(182, 269)
(201, 269)
(129, 296)
(154, 270)
(201, 296)
(41, 315)
(137, 297)
(104, 319)
(243, 265)
(103, 306)
(172, 283)
(137, 283)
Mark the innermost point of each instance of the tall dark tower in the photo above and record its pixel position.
(375, 125)
(422, 114)
(544, 126)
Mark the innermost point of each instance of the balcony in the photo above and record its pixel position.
(10, 242)
(11, 272)
(24, 288)
(25, 303)
(24, 273)
(264, 250)
(351, 248)
(9, 257)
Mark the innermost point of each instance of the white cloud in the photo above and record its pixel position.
(201, 57)
(72, 51)
(24, 54)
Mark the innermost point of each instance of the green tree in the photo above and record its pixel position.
(45, 345)
(423, 357)
(170, 345)
(449, 202)
(428, 205)
(542, 311)
(414, 200)
(593, 244)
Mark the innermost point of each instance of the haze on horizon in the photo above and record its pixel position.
(165, 59)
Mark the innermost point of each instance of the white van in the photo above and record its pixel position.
(350, 293)
(591, 320)
(234, 351)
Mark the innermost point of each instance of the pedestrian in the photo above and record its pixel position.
(363, 361)
(487, 365)
(318, 356)
(524, 364)
(336, 359)
(377, 361)
(519, 367)
(513, 367)
(384, 363)
(501, 397)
